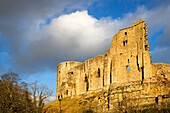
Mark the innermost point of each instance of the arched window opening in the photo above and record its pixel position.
(128, 68)
(146, 47)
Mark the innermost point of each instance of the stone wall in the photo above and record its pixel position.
(124, 73)
(129, 52)
(63, 81)
(130, 96)
(161, 72)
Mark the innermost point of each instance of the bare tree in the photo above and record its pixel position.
(39, 94)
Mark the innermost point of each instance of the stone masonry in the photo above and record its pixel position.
(124, 71)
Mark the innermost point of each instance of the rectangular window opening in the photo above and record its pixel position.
(156, 100)
(125, 33)
(125, 43)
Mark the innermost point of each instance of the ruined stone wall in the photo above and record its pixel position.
(130, 96)
(139, 96)
(127, 61)
(129, 52)
(89, 75)
(161, 72)
(63, 78)
(75, 78)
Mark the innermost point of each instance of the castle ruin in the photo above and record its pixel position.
(124, 73)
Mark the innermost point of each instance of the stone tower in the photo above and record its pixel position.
(128, 58)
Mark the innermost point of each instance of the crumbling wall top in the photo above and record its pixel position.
(69, 62)
(137, 22)
(134, 24)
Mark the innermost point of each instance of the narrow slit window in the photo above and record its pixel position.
(103, 77)
(156, 100)
(128, 61)
(98, 72)
(66, 92)
(87, 83)
(85, 79)
(126, 42)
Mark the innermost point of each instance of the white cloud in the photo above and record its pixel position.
(74, 36)
(18, 27)
(81, 28)
(78, 36)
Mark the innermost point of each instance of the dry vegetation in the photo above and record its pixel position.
(67, 105)
(21, 97)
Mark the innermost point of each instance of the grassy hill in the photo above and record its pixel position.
(67, 105)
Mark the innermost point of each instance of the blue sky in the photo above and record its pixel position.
(37, 35)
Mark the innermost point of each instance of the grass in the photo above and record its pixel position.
(67, 105)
